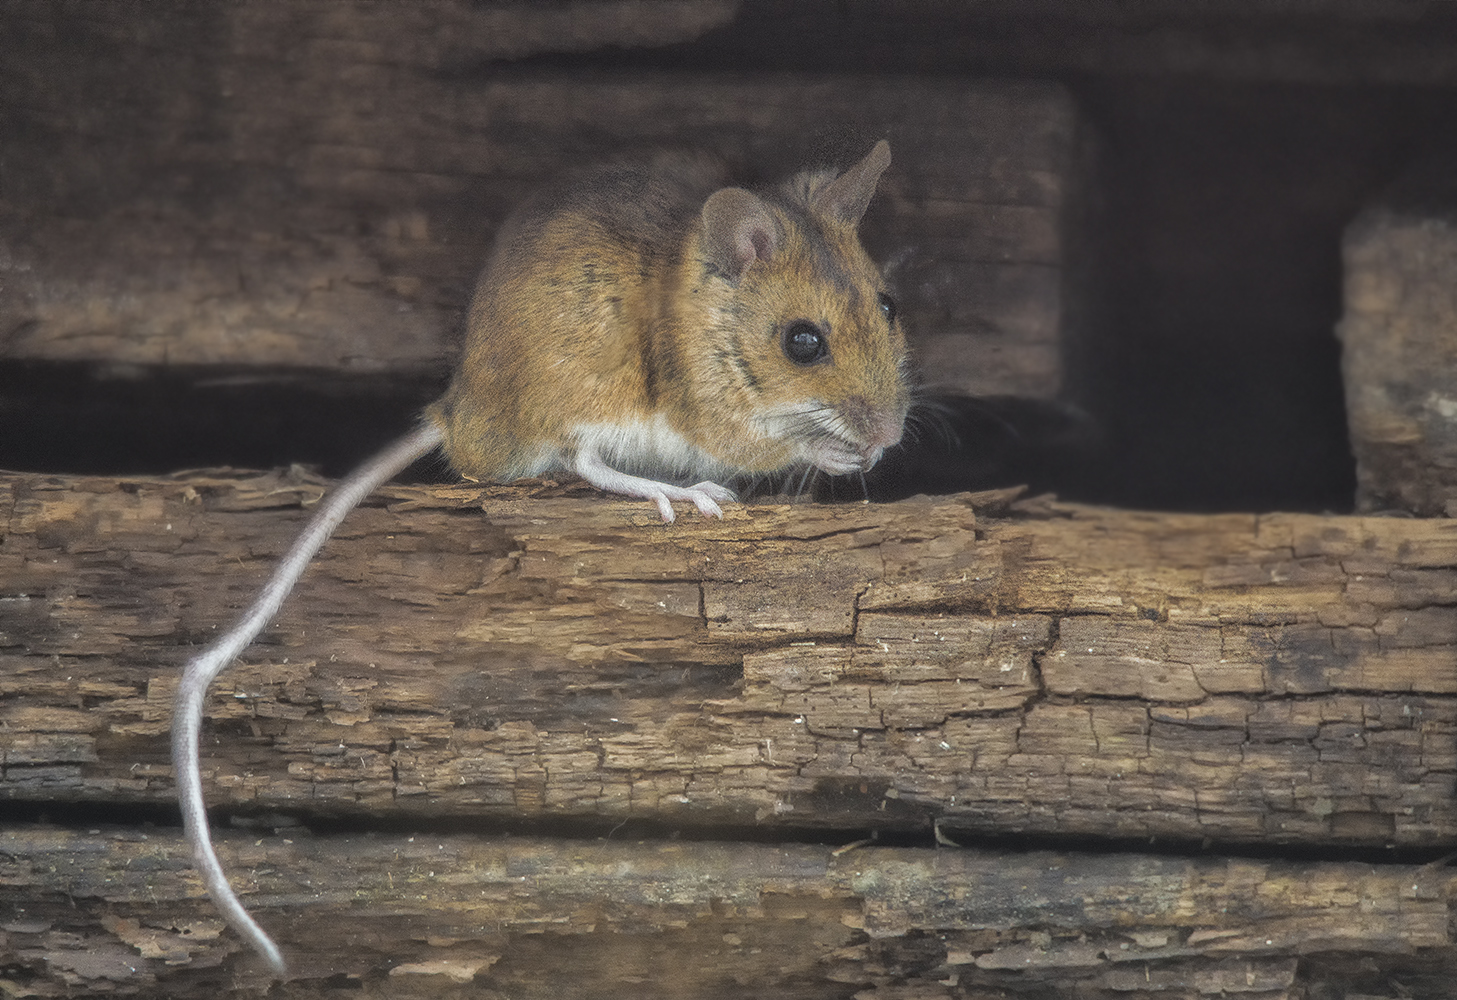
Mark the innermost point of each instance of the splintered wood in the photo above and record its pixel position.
(1273, 679)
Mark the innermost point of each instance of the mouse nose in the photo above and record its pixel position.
(882, 431)
(876, 428)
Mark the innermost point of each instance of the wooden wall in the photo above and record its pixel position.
(527, 741)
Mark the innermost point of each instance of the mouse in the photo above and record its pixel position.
(653, 330)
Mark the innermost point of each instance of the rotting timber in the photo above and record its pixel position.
(973, 664)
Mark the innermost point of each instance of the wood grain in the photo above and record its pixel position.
(1399, 344)
(317, 185)
(432, 915)
(533, 652)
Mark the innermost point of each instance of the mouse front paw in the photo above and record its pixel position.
(707, 497)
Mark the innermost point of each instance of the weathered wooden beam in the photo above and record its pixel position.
(122, 911)
(528, 652)
(1399, 344)
(316, 185)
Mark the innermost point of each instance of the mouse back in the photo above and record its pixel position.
(559, 330)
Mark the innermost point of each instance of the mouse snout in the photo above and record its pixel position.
(874, 429)
(858, 435)
(885, 432)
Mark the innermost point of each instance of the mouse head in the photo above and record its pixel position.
(801, 334)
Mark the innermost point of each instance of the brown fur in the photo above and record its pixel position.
(609, 301)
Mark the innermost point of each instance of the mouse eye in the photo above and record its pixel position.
(887, 307)
(804, 343)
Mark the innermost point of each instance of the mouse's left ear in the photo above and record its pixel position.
(848, 196)
(738, 229)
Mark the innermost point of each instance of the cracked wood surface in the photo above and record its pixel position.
(121, 912)
(535, 653)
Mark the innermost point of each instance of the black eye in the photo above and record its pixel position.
(887, 307)
(804, 343)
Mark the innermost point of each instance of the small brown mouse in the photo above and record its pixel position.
(642, 327)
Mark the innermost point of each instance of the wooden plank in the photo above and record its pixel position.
(1276, 679)
(327, 200)
(1399, 344)
(122, 911)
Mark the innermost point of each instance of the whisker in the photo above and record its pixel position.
(933, 415)
(804, 481)
(985, 408)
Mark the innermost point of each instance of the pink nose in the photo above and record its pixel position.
(885, 432)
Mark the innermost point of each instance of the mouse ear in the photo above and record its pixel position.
(848, 196)
(738, 229)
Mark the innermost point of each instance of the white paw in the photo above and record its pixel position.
(705, 504)
(707, 497)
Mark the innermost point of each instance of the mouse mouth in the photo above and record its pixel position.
(850, 437)
(853, 436)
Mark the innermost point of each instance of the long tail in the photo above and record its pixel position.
(203, 668)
